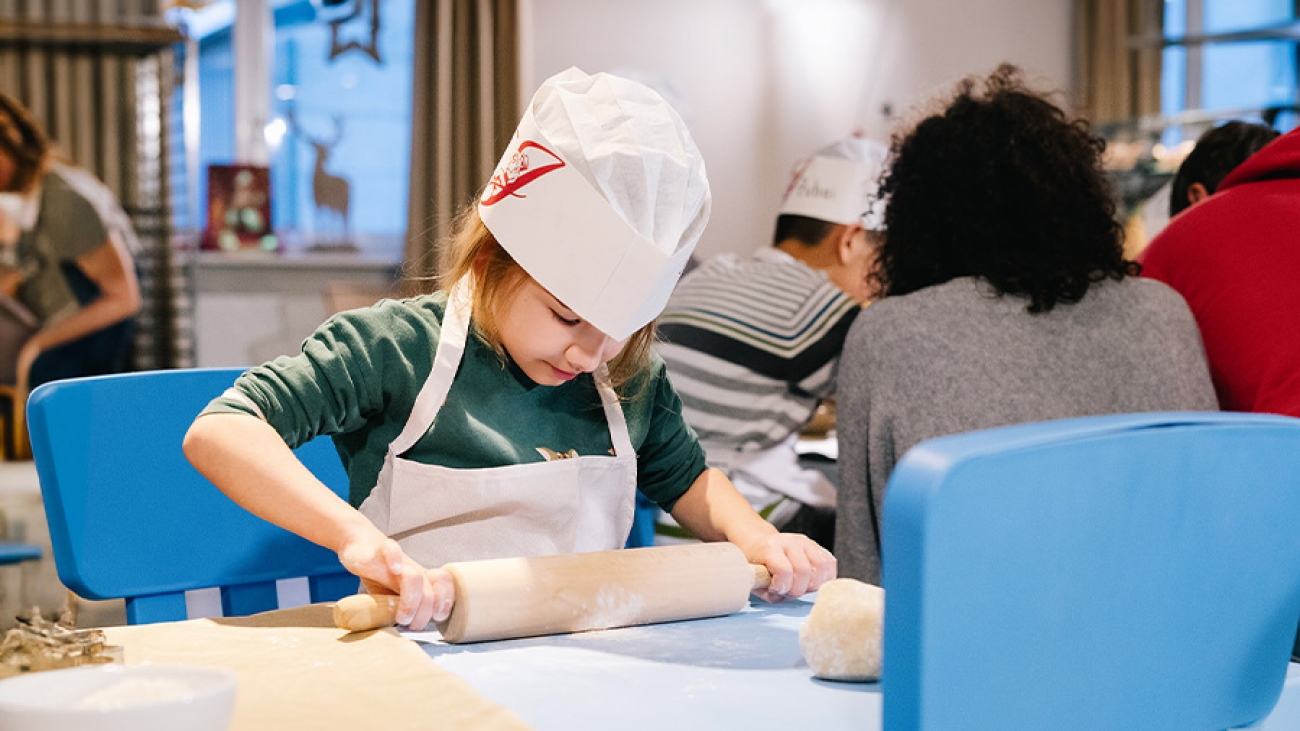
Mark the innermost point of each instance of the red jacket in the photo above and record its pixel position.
(1235, 258)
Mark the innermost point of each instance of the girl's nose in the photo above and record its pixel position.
(590, 350)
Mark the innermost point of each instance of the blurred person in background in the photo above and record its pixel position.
(66, 260)
(1234, 257)
(1217, 152)
(752, 343)
(1006, 298)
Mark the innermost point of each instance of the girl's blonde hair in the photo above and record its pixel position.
(496, 280)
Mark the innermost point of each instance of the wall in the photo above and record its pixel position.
(762, 82)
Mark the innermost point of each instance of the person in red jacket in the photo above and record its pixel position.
(1217, 152)
(1235, 258)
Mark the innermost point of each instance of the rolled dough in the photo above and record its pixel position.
(842, 637)
(297, 672)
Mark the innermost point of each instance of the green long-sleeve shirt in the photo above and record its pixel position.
(358, 376)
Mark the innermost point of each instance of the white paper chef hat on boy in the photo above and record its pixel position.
(838, 184)
(600, 196)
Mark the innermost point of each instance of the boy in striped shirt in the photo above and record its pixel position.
(752, 343)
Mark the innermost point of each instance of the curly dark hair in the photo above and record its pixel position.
(1216, 153)
(1000, 185)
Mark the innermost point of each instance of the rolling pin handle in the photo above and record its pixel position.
(361, 612)
(762, 577)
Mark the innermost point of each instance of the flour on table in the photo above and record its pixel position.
(135, 691)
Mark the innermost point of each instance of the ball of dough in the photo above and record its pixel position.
(842, 637)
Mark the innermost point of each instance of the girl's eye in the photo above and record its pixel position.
(565, 320)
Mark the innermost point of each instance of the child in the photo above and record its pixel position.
(751, 378)
(516, 411)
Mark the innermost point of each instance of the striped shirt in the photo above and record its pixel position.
(752, 345)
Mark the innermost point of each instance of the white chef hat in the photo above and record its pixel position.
(838, 184)
(600, 196)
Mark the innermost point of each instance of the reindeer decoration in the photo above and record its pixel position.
(329, 192)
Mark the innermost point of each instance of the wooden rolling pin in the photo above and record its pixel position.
(524, 597)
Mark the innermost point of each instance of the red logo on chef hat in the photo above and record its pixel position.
(796, 176)
(529, 162)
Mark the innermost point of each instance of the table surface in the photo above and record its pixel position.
(740, 671)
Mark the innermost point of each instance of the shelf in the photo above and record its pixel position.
(1154, 124)
(1285, 31)
(127, 40)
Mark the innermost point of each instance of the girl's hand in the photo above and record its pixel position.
(797, 564)
(423, 594)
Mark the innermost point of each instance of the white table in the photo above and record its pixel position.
(741, 671)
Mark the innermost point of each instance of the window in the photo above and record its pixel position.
(1233, 62)
(340, 118)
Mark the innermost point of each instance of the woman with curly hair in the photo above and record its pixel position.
(1006, 298)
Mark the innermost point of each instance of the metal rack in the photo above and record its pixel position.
(112, 38)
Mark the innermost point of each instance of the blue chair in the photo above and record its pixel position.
(643, 523)
(1114, 572)
(130, 518)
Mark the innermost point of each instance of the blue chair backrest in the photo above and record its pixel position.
(1115, 572)
(130, 518)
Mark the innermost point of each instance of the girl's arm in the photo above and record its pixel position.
(714, 510)
(249, 461)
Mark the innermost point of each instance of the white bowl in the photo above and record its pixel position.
(119, 698)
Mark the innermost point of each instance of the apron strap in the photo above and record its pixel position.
(613, 414)
(451, 346)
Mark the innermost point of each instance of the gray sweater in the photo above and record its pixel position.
(955, 357)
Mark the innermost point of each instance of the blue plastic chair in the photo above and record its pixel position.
(1116, 572)
(643, 523)
(130, 518)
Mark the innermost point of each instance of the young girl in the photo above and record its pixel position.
(517, 410)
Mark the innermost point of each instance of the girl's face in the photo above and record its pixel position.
(547, 340)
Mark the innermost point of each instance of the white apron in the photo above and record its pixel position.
(438, 514)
